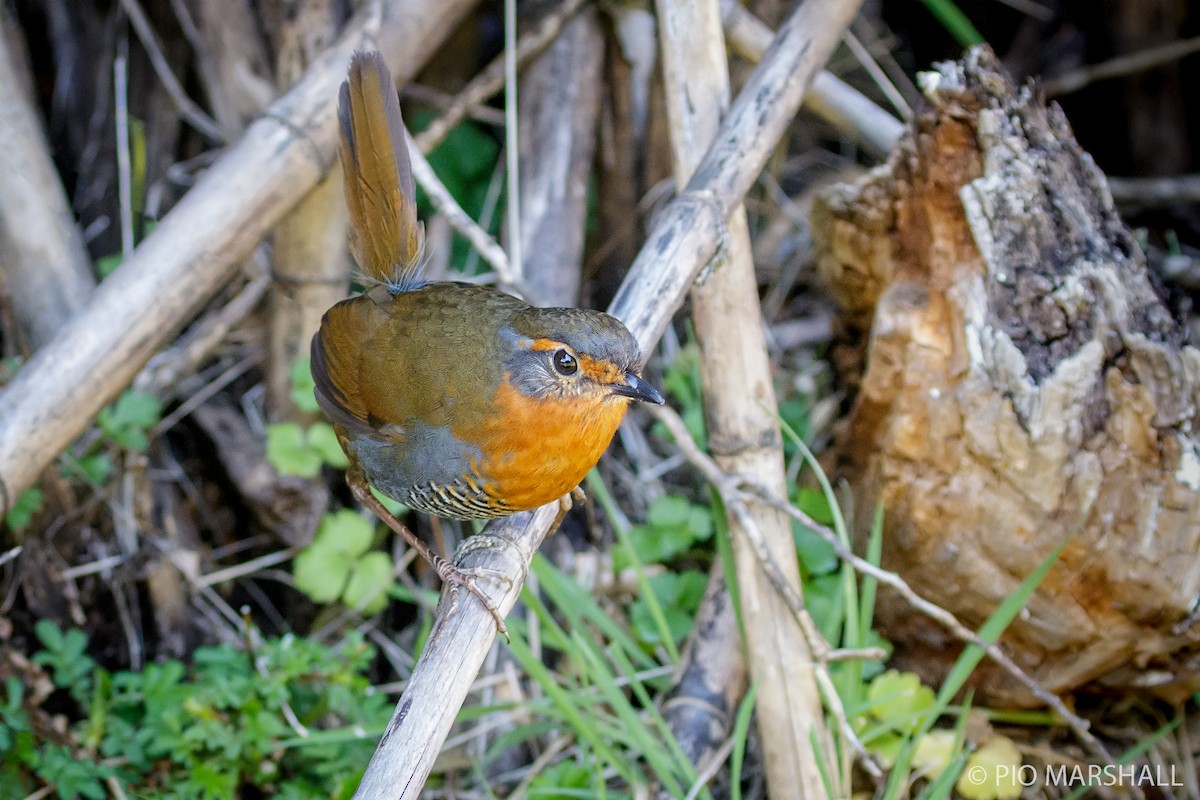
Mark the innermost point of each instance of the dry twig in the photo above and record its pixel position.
(832, 99)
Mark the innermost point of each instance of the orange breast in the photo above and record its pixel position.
(535, 451)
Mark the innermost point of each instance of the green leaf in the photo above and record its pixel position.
(65, 653)
(323, 568)
(289, 452)
(345, 531)
(71, 777)
(673, 526)
(679, 595)
(900, 700)
(394, 506)
(955, 21)
(370, 579)
(97, 467)
(668, 511)
(992, 772)
(127, 421)
(22, 511)
(323, 440)
(464, 161)
(137, 409)
(817, 556)
(321, 572)
(815, 504)
(303, 386)
(934, 752)
(107, 265)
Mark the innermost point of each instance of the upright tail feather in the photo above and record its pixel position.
(386, 239)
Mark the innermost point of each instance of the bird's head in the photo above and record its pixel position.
(561, 353)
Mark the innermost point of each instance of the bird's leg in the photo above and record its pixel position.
(448, 572)
(564, 506)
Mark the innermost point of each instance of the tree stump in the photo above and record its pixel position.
(1020, 380)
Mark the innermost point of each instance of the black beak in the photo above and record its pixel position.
(638, 389)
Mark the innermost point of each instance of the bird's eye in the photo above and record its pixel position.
(565, 363)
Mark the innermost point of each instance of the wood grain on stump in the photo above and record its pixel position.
(1020, 380)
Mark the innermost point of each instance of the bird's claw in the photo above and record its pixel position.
(457, 576)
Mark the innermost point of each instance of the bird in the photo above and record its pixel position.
(455, 399)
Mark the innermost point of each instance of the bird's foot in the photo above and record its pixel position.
(565, 504)
(468, 579)
(449, 573)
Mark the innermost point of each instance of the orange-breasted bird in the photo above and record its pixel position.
(455, 399)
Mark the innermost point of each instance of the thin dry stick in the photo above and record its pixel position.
(1156, 191)
(1076, 79)
(244, 568)
(167, 368)
(491, 79)
(47, 270)
(683, 241)
(186, 107)
(709, 770)
(863, 56)
(124, 162)
(730, 487)
(512, 135)
(835, 101)
(460, 220)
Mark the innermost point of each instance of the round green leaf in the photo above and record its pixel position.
(345, 531)
(289, 453)
(321, 572)
(370, 579)
(899, 699)
(323, 440)
(993, 772)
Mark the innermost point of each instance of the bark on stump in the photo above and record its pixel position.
(1020, 379)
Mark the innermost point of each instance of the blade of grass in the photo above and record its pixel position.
(600, 492)
(579, 721)
(652, 713)
(741, 730)
(1132, 753)
(939, 788)
(672, 774)
(954, 21)
(577, 606)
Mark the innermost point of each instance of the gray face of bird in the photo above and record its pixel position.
(569, 353)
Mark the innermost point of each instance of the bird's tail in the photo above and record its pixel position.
(386, 239)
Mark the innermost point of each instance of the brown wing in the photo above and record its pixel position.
(337, 366)
(385, 237)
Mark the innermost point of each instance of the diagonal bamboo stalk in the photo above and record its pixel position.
(196, 247)
(685, 239)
